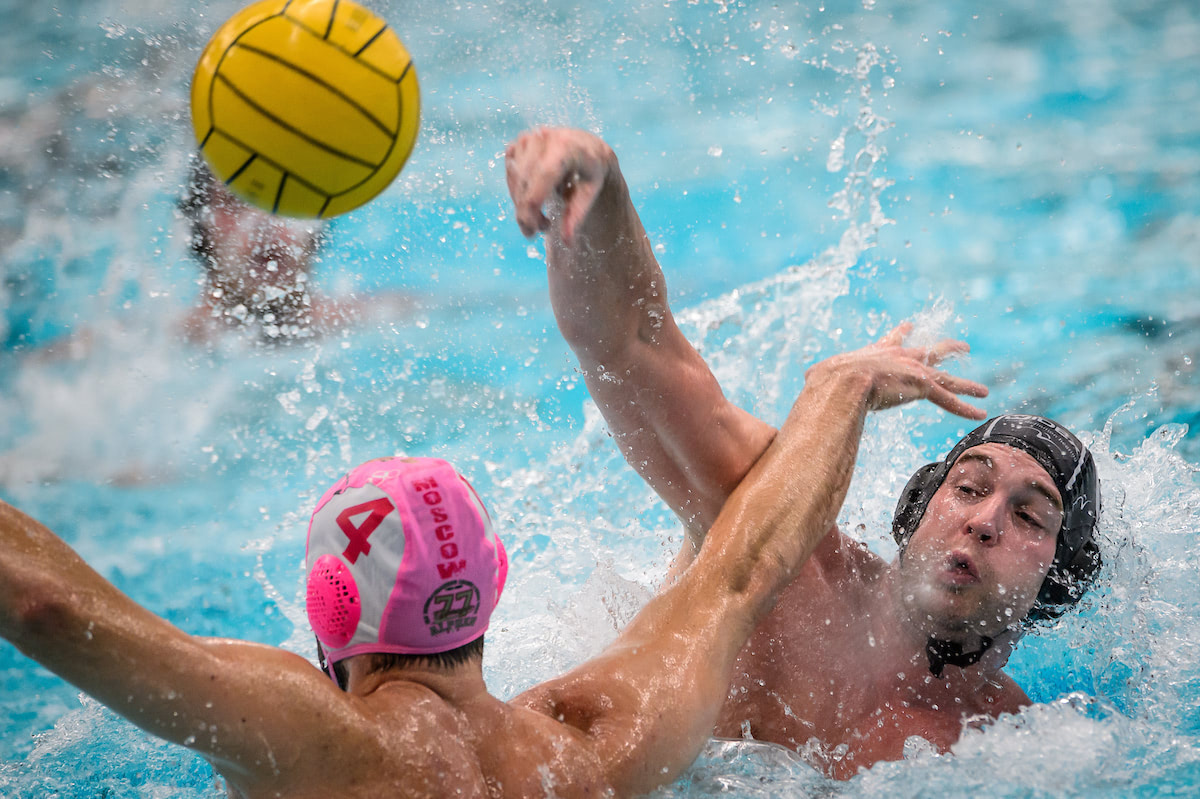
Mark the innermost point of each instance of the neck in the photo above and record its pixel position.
(948, 655)
(456, 685)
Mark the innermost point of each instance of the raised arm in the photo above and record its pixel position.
(661, 401)
(220, 698)
(650, 700)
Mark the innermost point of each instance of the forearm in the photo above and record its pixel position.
(606, 287)
(218, 697)
(790, 499)
(35, 566)
(663, 405)
(679, 652)
(60, 612)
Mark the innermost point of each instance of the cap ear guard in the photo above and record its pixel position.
(1066, 583)
(1077, 558)
(913, 501)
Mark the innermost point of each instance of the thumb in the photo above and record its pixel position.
(579, 194)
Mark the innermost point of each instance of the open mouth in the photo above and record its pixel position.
(961, 568)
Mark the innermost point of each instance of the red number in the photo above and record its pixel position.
(378, 508)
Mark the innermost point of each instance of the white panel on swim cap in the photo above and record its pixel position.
(362, 528)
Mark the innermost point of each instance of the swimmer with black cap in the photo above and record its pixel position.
(859, 654)
(404, 571)
(1074, 510)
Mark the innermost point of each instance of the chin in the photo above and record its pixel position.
(948, 614)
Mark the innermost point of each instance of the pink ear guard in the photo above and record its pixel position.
(401, 558)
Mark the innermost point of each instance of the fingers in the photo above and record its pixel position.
(580, 195)
(946, 391)
(895, 336)
(952, 403)
(554, 175)
(901, 380)
(961, 385)
(930, 355)
(944, 349)
(527, 186)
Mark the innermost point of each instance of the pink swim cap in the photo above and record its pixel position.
(401, 558)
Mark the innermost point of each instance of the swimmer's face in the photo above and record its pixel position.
(252, 255)
(978, 559)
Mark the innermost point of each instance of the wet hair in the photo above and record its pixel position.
(1073, 470)
(386, 661)
(197, 194)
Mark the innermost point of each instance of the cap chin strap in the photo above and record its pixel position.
(942, 653)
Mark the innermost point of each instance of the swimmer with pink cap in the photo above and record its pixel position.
(401, 559)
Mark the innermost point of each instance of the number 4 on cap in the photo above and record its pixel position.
(358, 534)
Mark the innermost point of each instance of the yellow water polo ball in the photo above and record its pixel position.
(305, 108)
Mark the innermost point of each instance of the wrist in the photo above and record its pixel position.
(838, 375)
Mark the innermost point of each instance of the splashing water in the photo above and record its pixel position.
(1020, 176)
(794, 308)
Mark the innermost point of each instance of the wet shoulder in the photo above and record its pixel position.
(530, 753)
(1005, 696)
(402, 740)
(846, 564)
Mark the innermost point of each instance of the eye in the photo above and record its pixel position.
(1030, 519)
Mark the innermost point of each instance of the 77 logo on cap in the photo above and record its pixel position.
(376, 510)
(451, 607)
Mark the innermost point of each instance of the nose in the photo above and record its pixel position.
(986, 523)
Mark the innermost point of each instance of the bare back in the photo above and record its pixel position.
(406, 740)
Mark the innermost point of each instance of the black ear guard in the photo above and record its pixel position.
(913, 501)
(328, 667)
(1068, 462)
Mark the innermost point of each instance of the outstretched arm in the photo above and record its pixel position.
(220, 698)
(663, 405)
(650, 700)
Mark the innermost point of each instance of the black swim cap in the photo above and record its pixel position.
(1069, 464)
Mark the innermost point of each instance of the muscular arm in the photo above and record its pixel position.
(220, 698)
(660, 400)
(650, 700)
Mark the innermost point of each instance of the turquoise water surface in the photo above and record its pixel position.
(1025, 176)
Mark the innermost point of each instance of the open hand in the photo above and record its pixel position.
(897, 374)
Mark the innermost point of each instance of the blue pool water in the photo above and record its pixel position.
(1024, 176)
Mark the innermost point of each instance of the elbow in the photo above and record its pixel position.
(604, 347)
(34, 613)
(583, 334)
